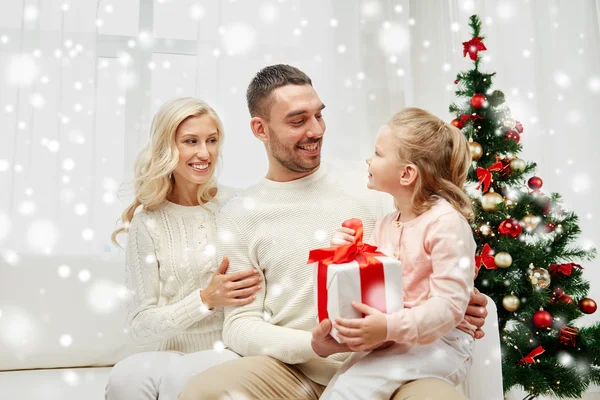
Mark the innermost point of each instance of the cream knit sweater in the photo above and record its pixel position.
(272, 226)
(170, 257)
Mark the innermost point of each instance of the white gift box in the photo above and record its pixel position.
(344, 286)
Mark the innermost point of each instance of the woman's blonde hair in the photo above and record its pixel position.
(441, 155)
(153, 179)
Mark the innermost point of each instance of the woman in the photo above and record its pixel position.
(177, 291)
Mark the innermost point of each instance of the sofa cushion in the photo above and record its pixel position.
(63, 311)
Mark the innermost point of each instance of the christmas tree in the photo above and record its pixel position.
(526, 256)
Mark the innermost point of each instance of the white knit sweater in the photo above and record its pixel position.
(272, 226)
(170, 257)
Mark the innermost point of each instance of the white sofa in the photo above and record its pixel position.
(62, 325)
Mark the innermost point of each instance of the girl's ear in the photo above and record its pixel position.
(409, 175)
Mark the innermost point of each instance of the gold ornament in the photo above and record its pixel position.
(539, 278)
(490, 201)
(503, 260)
(509, 123)
(530, 222)
(517, 165)
(511, 303)
(476, 150)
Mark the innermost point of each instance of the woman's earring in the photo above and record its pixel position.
(171, 176)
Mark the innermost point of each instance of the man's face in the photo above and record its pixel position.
(295, 128)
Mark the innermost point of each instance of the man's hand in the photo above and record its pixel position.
(323, 343)
(477, 312)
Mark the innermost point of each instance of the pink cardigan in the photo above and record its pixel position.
(437, 251)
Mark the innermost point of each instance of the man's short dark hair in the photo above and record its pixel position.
(268, 79)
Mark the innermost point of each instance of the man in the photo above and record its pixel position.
(272, 226)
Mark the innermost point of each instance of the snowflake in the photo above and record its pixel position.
(393, 38)
(37, 101)
(238, 39)
(104, 296)
(27, 208)
(87, 234)
(84, 275)
(64, 271)
(22, 70)
(219, 346)
(66, 340)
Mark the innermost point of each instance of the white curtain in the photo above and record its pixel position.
(81, 80)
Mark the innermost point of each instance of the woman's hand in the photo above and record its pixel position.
(231, 290)
(342, 236)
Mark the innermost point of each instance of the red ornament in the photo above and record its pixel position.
(542, 319)
(557, 293)
(587, 305)
(568, 336)
(457, 123)
(472, 47)
(519, 127)
(535, 183)
(512, 134)
(541, 201)
(478, 100)
(549, 227)
(456, 82)
(565, 298)
(510, 227)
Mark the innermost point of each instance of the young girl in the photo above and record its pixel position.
(177, 297)
(423, 162)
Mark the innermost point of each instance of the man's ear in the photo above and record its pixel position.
(409, 175)
(258, 126)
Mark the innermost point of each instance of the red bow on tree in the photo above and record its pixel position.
(528, 359)
(564, 269)
(486, 258)
(472, 47)
(485, 175)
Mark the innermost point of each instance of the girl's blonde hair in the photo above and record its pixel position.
(441, 155)
(153, 179)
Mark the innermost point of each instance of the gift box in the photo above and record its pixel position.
(356, 272)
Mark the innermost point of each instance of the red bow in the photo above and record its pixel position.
(485, 175)
(486, 258)
(528, 359)
(472, 47)
(371, 269)
(564, 269)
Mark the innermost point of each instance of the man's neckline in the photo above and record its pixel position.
(315, 176)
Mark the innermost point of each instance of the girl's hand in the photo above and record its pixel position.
(231, 290)
(363, 334)
(342, 236)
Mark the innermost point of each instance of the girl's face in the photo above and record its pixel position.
(197, 140)
(385, 168)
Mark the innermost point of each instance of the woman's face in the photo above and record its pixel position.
(197, 139)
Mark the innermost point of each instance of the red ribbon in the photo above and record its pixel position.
(485, 175)
(472, 47)
(529, 358)
(486, 258)
(371, 269)
(564, 269)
